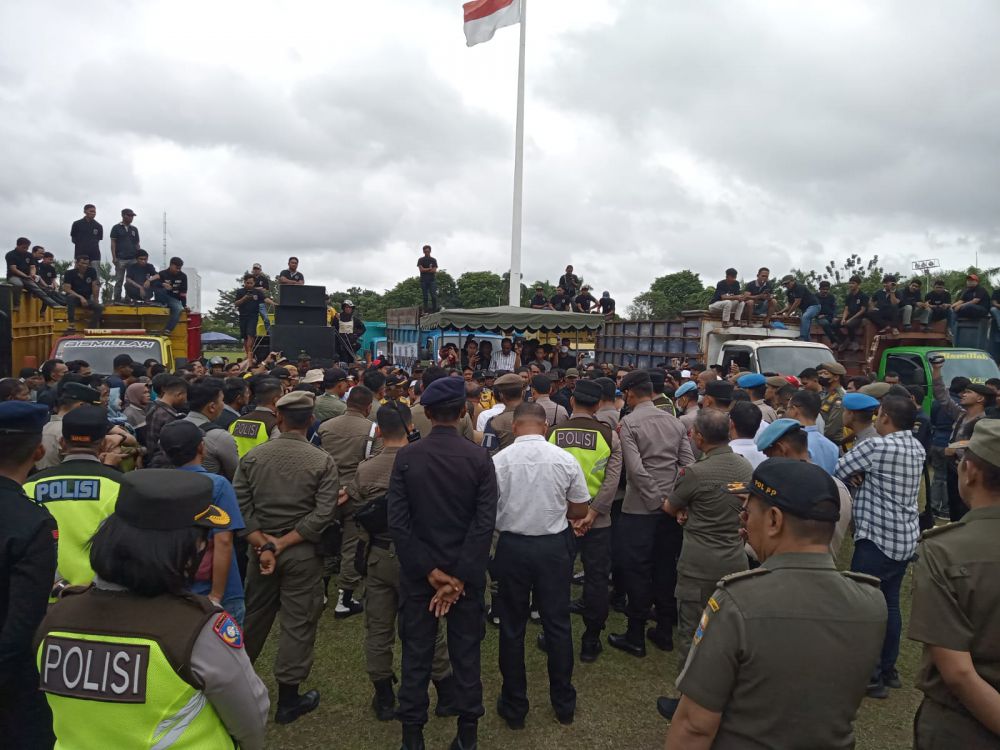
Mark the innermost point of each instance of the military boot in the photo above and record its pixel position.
(384, 700)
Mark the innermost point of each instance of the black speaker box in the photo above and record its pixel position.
(300, 316)
(291, 340)
(302, 296)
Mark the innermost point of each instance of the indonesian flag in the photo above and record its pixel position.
(484, 17)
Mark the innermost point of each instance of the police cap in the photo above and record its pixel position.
(832, 367)
(85, 425)
(333, 376)
(684, 390)
(167, 499)
(572, 373)
(22, 416)
(775, 431)
(776, 381)
(859, 402)
(875, 390)
(80, 392)
(720, 390)
(588, 392)
(985, 442)
(657, 377)
(799, 488)
(751, 380)
(608, 388)
(636, 379)
(510, 380)
(297, 400)
(445, 391)
(179, 437)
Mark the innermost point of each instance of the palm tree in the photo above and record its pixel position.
(106, 275)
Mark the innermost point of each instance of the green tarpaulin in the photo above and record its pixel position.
(507, 317)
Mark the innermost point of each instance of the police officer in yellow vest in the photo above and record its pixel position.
(597, 449)
(256, 427)
(135, 661)
(80, 492)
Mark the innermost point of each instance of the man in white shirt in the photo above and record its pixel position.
(541, 488)
(744, 422)
(506, 359)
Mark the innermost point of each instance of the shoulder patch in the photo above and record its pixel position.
(937, 530)
(228, 631)
(733, 577)
(862, 577)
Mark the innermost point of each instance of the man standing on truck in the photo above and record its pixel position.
(348, 328)
(87, 234)
(170, 288)
(124, 249)
(82, 287)
(569, 282)
(428, 268)
(260, 281)
(798, 297)
(291, 275)
(248, 301)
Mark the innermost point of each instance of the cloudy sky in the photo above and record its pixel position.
(661, 134)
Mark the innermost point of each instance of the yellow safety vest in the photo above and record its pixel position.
(248, 433)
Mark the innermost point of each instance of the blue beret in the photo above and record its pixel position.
(685, 389)
(859, 402)
(751, 380)
(23, 416)
(775, 431)
(443, 390)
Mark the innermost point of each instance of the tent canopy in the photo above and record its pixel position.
(508, 317)
(214, 337)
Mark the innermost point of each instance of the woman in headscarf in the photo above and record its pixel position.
(137, 399)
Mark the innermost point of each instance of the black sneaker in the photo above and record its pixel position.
(576, 607)
(891, 679)
(877, 689)
(590, 650)
(347, 607)
(512, 722)
(662, 639)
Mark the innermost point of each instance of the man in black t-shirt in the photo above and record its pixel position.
(87, 234)
(938, 301)
(607, 306)
(538, 302)
(428, 266)
(262, 282)
(728, 298)
(46, 275)
(560, 300)
(911, 305)
(170, 289)
(82, 289)
(21, 272)
(855, 309)
(585, 301)
(759, 295)
(827, 317)
(884, 311)
(137, 276)
(570, 282)
(799, 298)
(124, 248)
(291, 274)
(248, 301)
(973, 304)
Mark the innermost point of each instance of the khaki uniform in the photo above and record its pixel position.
(423, 424)
(784, 653)
(767, 412)
(956, 605)
(382, 578)
(688, 417)
(555, 414)
(282, 485)
(503, 426)
(712, 545)
(832, 411)
(328, 406)
(348, 438)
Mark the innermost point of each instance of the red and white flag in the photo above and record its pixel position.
(484, 17)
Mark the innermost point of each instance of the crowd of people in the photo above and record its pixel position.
(889, 309)
(194, 508)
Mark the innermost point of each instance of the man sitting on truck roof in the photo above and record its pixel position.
(82, 288)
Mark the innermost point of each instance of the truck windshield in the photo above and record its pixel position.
(791, 360)
(100, 353)
(970, 363)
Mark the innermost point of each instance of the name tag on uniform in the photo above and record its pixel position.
(247, 429)
(584, 439)
(67, 489)
(111, 672)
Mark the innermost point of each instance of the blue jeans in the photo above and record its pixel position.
(807, 318)
(262, 309)
(868, 558)
(174, 304)
(236, 606)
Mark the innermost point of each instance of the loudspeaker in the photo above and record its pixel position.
(291, 340)
(293, 295)
(300, 316)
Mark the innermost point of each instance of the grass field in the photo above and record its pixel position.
(616, 703)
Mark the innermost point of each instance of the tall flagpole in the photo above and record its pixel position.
(515, 236)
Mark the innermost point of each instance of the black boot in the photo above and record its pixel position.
(667, 707)
(661, 637)
(590, 644)
(413, 737)
(631, 642)
(446, 690)
(467, 737)
(291, 705)
(384, 700)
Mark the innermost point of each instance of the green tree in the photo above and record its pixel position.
(480, 289)
(669, 295)
(407, 292)
(369, 303)
(224, 317)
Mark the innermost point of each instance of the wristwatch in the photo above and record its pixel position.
(269, 547)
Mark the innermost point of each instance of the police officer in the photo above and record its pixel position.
(256, 427)
(647, 541)
(80, 492)
(349, 438)
(287, 490)
(330, 402)
(832, 408)
(794, 619)
(858, 424)
(956, 609)
(369, 486)
(686, 401)
(756, 385)
(135, 661)
(660, 399)
(701, 501)
(597, 448)
(510, 389)
(442, 504)
(27, 569)
(420, 420)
